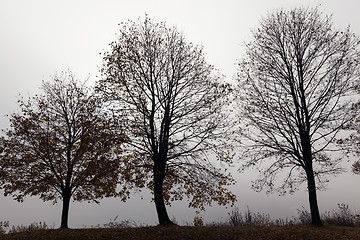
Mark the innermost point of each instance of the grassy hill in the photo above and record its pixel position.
(187, 232)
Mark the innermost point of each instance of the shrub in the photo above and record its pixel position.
(3, 226)
(198, 221)
(342, 216)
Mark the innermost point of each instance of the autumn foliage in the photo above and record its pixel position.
(61, 145)
(171, 103)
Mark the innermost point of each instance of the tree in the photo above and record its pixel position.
(297, 84)
(61, 145)
(171, 104)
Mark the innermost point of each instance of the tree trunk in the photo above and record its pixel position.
(308, 167)
(314, 209)
(65, 209)
(159, 175)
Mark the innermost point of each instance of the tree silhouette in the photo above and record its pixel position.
(61, 145)
(171, 104)
(297, 84)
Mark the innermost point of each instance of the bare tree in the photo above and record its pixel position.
(297, 85)
(171, 105)
(61, 145)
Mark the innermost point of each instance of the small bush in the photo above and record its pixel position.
(342, 216)
(198, 221)
(3, 227)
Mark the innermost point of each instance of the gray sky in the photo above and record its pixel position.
(40, 37)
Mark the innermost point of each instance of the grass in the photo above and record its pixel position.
(189, 232)
(341, 223)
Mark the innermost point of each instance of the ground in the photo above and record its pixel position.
(187, 232)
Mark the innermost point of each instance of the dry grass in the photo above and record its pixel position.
(179, 232)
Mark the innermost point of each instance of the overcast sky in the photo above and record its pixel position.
(38, 38)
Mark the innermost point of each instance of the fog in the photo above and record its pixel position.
(38, 38)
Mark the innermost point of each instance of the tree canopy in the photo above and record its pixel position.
(171, 103)
(61, 145)
(297, 86)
